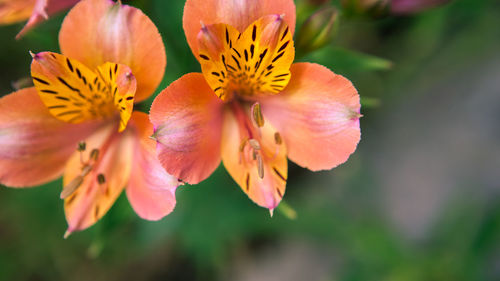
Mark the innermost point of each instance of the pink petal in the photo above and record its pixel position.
(34, 146)
(267, 186)
(92, 199)
(42, 10)
(12, 11)
(151, 191)
(187, 117)
(237, 13)
(318, 116)
(99, 31)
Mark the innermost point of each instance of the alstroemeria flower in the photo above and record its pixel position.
(78, 120)
(251, 106)
(35, 11)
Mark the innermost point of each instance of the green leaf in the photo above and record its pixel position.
(342, 60)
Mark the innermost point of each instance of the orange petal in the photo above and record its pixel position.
(105, 180)
(317, 115)
(73, 93)
(151, 191)
(12, 11)
(42, 10)
(187, 117)
(97, 31)
(255, 62)
(237, 13)
(34, 146)
(261, 173)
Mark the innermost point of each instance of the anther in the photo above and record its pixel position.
(257, 117)
(101, 179)
(71, 187)
(254, 144)
(94, 154)
(86, 170)
(82, 146)
(277, 138)
(260, 166)
(243, 144)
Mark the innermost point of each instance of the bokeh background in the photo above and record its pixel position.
(418, 201)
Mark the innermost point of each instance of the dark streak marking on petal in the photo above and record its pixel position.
(284, 34)
(41, 81)
(247, 182)
(49, 92)
(278, 174)
(70, 66)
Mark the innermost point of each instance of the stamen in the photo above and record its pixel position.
(82, 146)
(277, 138)
(260, 166)
(71, 187)
(94, 154)
(86, 170)
(243, 144)
(254, 144)
(257, 117)
(101, 179)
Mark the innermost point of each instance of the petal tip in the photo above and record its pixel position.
(67, 234)
(355, 115)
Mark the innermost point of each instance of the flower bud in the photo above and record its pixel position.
(399, 7)
(374, 8)
(318, 30)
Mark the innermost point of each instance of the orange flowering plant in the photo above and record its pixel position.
(79, 121)
(250, 106)
(35, 11)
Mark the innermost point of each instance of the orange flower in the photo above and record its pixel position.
(78, 120)
(35, 11)
(252, 107)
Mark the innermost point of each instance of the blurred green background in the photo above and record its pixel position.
(418, 201)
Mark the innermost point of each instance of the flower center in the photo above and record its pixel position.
(255, 62)
(253, 149)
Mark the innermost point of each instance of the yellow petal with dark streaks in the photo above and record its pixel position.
(123, 86)
(255, 62)
(74, 93)
(215, 42)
